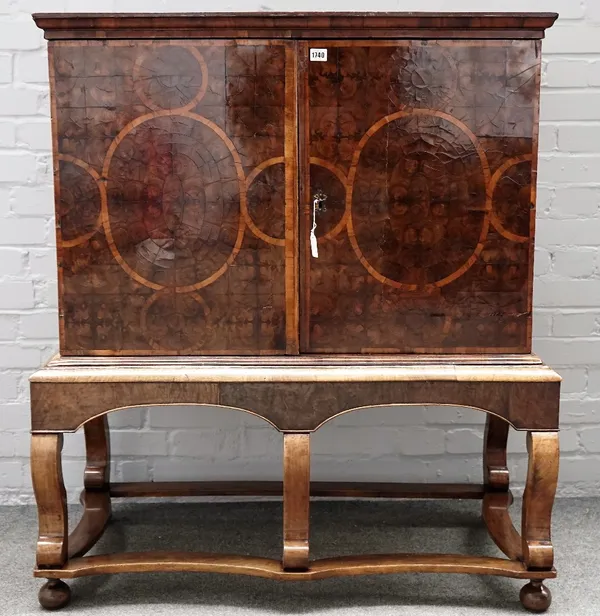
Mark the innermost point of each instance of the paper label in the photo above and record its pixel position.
(318, 55)
(314, 249)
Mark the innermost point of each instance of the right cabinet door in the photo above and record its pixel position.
(426, 154)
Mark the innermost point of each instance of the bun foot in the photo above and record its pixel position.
(535, 597)
(54, 594)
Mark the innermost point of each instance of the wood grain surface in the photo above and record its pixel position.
(296, 501)
(185, 170)
(175, 190)
(301, 406)
(424, 150)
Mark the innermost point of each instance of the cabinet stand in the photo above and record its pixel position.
(296, 396)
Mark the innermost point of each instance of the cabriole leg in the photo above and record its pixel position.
(538, 499)
(296, 500)
(51, 499)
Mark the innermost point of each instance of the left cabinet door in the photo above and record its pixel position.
(175, 185)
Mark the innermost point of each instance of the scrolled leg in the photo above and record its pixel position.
(538, 499)
(51, 499)
(50, 495)
(54, 594)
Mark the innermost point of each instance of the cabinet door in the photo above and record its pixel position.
(175, 175)
(426, 152)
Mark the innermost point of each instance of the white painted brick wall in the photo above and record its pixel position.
(412, 443)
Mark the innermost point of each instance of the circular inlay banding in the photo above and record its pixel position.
(510, 185)
(417, 201)
(175, 322)
(175, 190)
(175, 79)
(265, 201)
(79, 202)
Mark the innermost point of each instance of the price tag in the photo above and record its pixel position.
(318, 55)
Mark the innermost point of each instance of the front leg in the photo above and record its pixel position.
(51, 499)
(296, 501)
(538, 499)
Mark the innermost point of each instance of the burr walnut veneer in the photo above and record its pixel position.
(295, 215)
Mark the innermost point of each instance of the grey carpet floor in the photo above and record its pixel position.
(338, 527)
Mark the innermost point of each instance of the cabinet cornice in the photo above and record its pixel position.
(295, 25)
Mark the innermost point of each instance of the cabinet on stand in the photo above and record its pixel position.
(295, 215)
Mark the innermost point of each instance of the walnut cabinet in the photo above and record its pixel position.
(295, 215)
(187, 166)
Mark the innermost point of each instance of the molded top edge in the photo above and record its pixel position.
(291, 24)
